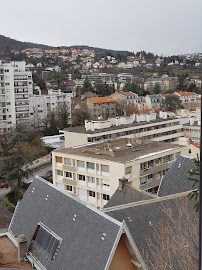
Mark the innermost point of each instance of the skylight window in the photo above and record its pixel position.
(44, 243)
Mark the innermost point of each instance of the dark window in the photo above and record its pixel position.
(44, 244)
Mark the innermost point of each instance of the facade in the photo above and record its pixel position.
(153, 101)
(101, 107)
(148, 127)
(41, 106)
(165, 83)
(16, 87)
(91, 172)
(125, 98)
(187, 98)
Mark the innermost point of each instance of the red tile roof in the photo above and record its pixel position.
(196, 144)
(186, 93)
(101, 99)
(143, 111)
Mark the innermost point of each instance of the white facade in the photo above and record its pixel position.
(42, 105)
(16, 88)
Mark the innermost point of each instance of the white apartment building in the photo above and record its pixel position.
(16, 88)
(137, 126)
(92, 172)
(18, 104)
(42, 105)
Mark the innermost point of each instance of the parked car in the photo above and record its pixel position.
(4, 185)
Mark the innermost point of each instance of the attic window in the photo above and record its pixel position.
(44, 243)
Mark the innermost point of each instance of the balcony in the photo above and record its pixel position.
(69, 182)
(69, 168)
(145, 172)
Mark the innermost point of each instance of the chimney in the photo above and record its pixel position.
(122, 182)
(22, 247)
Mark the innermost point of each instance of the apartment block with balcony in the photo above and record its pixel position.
(16, 87)
(91, 172)
(167, 130)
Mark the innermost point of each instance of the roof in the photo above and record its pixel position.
(142, 218)
(90, 94)
(175, 180)
(155, 96)
(119, 151)
(81, 129)
(101, 99)
(88, 235)
(127, 94)
(128, 194)
(196, 144)
(185, 93)
(145, 111)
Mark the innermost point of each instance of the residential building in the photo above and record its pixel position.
(142, 125)
(16, 87)
(101, 107)
(91, 172)
(192, 130)
(153, 101)
(75, 235)
(165, 83)
(41, 106)
(125, 98)
(88, 95)
(187, 98)
(149, 220)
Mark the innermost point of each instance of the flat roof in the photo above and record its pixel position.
(81, 129)
(120, 150)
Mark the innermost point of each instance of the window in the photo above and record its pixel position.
(189, 151)
(58, 159)
(105, 185)
(80, 164)
(69, 188)
(90, 179)
(105, 197)
(59, 172)
(44, 243)
(68, 174)
(91, 193)
(105, 169)
(67, 161)
(150, 176)
(81, 177)
(166, 159)
(90, 165)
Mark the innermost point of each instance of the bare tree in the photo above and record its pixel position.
(174, 243)
(125, 108)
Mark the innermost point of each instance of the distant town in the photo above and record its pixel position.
(115, 135)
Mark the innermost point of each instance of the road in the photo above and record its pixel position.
(43, 171)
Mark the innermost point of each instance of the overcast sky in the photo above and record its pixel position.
(160, 26)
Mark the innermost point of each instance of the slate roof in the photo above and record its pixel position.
(128, 194)
(175, 180)
(82, 245)
(143, 217)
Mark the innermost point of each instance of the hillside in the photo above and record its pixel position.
(7, 44)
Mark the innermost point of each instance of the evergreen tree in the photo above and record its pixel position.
(87, 86)
(13, 165)
(156, 89)
(171, 103)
